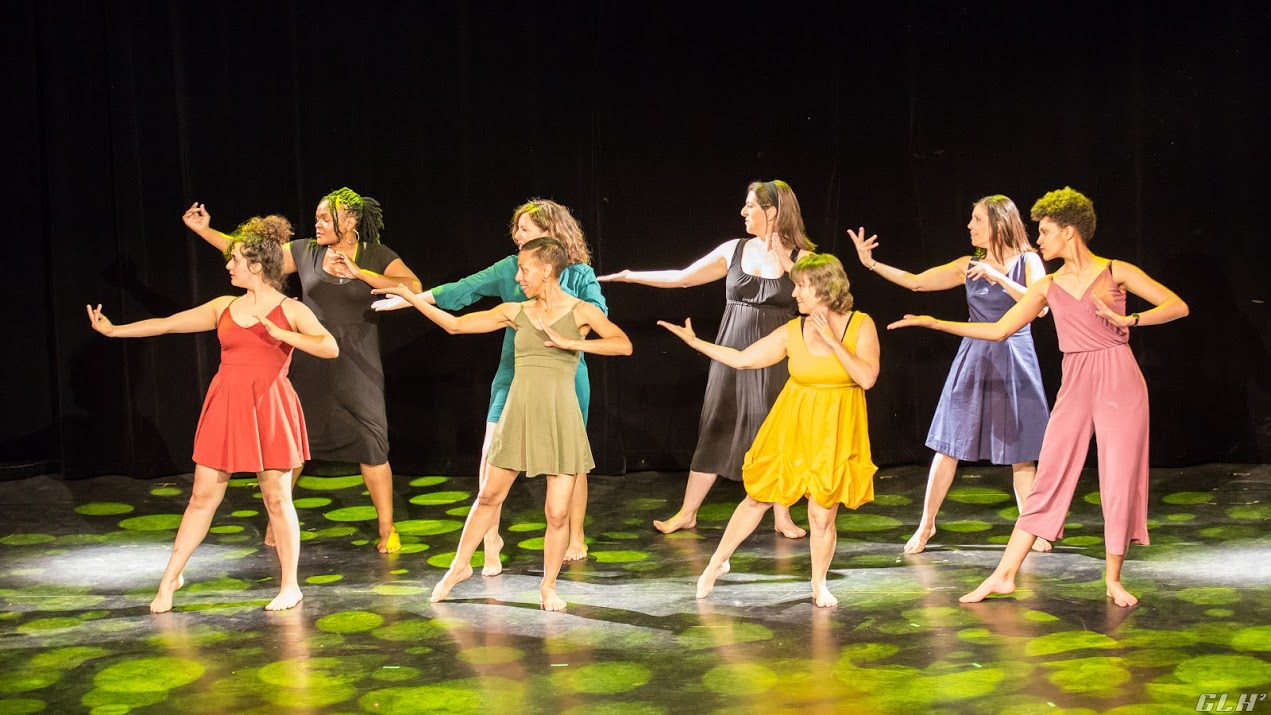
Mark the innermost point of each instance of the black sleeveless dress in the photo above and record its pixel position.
(343, 399)
(737, 401)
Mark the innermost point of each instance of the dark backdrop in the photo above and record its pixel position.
(648, 119)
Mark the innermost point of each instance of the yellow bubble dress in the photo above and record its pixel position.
(815, 441)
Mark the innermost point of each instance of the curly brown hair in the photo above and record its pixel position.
(824, 273)
(558, 222)
(1067, 207)
(260, 240)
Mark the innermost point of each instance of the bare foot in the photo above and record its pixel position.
(918, 542)
(576, 552)
(390, 542)
(162, 602)
(286, 598)
(1120, 596)
(550, 601)
(706, 582)
(493, 547)
(992, 585)
(790, 530)
(677, 522)
(1042, 545)
(269, 536)
(449, 580)
(822, 597)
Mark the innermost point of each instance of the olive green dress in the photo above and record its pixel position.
(541, 430)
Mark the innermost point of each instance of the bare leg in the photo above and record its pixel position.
(939, 479)
(699, 485)
(560, 489)
(824, 539)
(209, 489)
(1116, 591)
(1025, 475)
(1002, 581)
(269, 528)
(745, 520)
(484, 511)
(577, 549)
(784, 525)
(275, 490)
(379, 482)
(492, 542)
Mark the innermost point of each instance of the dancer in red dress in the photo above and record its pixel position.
(251, 419)
(1102, 391)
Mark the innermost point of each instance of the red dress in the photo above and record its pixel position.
(251, 418)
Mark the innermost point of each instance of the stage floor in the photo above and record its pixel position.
(79, 562)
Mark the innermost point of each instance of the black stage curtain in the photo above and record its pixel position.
(648, 119)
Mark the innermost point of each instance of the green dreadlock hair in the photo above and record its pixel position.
(367, 211)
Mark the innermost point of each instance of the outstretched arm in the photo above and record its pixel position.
(486, 283)
(194, 320)
(485, 321)
(1168, 305)
(612, 340)
(309, 335)
(1022, 313)
(949, 275)
(706, 269)
(766, 351)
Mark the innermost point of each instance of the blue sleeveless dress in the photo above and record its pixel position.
(993, 406)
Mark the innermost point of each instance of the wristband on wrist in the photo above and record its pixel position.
(873, 265)
(1136, 317)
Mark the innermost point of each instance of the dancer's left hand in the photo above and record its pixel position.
(1105, 311)
(980, 269)
(345, 266)
(555, 339)
(274, 331)
(683, 332)
(100, 322)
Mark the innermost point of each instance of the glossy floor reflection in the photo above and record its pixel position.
(79, 562)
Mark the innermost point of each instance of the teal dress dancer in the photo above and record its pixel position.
(499, 281)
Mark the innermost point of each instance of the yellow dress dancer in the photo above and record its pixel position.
(815, 441)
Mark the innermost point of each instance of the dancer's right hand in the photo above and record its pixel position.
(197, 217)
(683, 332)
(395, 302)
(100, 322)
(913, 321)
(864, 246)
(619, 277)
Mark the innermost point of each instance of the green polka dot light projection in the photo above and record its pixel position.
(76, 579)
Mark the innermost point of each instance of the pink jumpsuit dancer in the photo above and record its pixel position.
(1103, 391)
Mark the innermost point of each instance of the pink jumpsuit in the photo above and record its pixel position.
(1103, 391)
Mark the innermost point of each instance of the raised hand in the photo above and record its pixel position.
(913, 321)
(619, 277)
(100, 322)
(683, 332)
(399, 292)
(197, 218)
(979, 269)
(1105, 311)
(864, 246)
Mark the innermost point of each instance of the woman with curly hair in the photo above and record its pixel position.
(536, 218)
(815, 441)
(344, 398)
(251, 419)
(993, 406)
